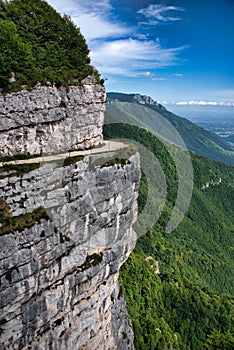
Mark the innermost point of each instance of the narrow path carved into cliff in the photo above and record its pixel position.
(107, 146)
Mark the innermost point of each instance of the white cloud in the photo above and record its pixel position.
(159, 12)
(93, 27)
(131, 56)
(178, 75)
(202, 103)
(92, 18)
(145, 74)
(75, 6)
(115, 48)
(100, 6)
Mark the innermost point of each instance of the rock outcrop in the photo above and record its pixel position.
(59, 273)
(65, 224)
(74, 115)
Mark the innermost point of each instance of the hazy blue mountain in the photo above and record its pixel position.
(144, 112)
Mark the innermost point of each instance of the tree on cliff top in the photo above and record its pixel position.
(37, 44)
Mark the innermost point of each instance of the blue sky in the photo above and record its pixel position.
(179, 50)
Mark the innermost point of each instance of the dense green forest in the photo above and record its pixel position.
(126, 109)
(37, 44)
(189, 304)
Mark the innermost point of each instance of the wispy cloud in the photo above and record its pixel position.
(159, 79)
(88, 6)
(201, 103)
(101, 6)
(117, 48)
(93, 27)
(145, 74)
(159, 12)
(131, 57)
(178, 75)
(92, 17)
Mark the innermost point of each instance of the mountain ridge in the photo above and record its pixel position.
(143, 111)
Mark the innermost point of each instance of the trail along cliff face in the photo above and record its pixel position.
(59, 270)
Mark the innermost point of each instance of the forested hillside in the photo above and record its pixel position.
(179, 285)
(144, 112)
(37, 44)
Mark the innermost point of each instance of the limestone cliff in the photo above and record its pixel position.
(65, 231)
(59, 278)
(28, 119)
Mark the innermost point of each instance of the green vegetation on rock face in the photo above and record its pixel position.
(188, 302)
(8, 170)
(10, 223)
(37, 44)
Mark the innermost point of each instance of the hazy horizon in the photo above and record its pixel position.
(217, 119)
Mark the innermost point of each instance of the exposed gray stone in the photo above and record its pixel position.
(59, 278)
(59, 284)
(50, 119)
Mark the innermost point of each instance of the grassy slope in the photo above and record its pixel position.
(192, 297)
(125, 109)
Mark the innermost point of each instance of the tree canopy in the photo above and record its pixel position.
(37, 44)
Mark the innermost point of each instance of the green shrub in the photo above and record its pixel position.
(8, 170)
(21, 222)
(37, 44)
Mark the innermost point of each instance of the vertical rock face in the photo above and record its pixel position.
(70, 116)
(59, 271)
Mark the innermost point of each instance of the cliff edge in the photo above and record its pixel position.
(66, 225)
(65, 221)
(59, 276)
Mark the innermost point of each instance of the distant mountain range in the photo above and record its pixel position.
(144, 112)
